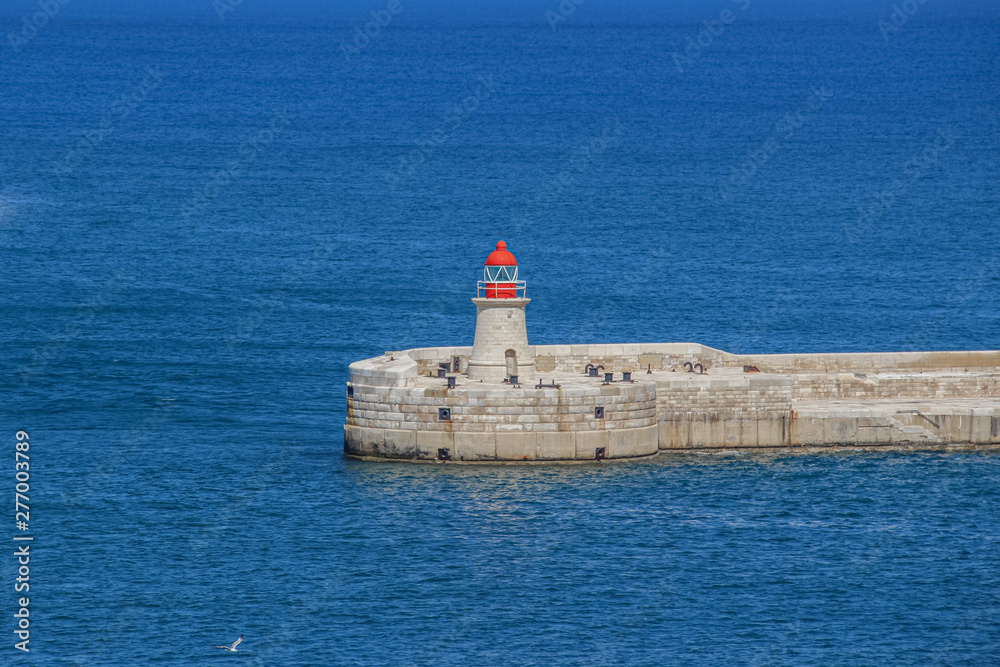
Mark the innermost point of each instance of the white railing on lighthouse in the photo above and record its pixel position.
(484, 289)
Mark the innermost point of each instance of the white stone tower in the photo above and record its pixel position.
(500, 350)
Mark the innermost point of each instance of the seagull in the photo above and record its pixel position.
(231, 647)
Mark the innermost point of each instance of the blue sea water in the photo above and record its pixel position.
(204, 221)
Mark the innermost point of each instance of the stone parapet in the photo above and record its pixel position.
(395, 403)
(868, 361)
(618, 357)
(384, 371)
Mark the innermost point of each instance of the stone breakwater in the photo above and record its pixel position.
(682, 397)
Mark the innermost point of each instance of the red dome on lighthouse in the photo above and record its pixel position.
(500, 275)
(501, 256)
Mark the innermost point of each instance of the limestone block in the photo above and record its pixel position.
(979, 428)
(700, 432)
(954, 427)
(434, 426)
(545, 364)
(624, 443)
(515, 446)
(633, 423)
(716, 434)
(506, 424)
(429, 442)
(650, 360)
(873, 431)
(587, 442)
(772, 431)
(841, 430)
(400, 443)
(673, 434)
(361, 441)
(649, 439)
(475, 446)
(543, 427)
(555, 445)
(807, 431)
(731, 432)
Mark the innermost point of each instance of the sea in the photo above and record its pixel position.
(208, 210)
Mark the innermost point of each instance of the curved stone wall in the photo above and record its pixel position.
(501, 423)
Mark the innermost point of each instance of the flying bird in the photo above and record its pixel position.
(231, 647)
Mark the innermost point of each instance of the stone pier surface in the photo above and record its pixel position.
(683, 397)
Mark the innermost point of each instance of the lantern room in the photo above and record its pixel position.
(500, 276)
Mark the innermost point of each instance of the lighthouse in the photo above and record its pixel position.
(500, 350)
